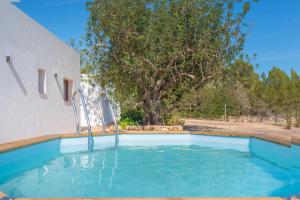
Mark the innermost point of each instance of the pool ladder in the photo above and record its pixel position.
(90, 134)
(107, 97)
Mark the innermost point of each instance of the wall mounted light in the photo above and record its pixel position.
(8, 59)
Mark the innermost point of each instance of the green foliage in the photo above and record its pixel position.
(134, 115)
(209, 102)
(295, 90)
(246, 93)
(131, 118)
(85, 70)
(181, 56)
(154, 51)
(279, 94)
(127, 122)
(238, 90)
(174, 121)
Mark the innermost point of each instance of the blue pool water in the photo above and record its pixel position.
(149, 171)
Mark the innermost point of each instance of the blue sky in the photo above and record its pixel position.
(274, 34)
(274, 28)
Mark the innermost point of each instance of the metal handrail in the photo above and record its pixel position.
(113, 115)
(90, 135)
(102, 114)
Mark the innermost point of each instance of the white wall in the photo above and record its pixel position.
(93, 97)
(24, 112)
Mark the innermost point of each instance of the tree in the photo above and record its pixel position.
(149, 49)
(240, 89)
(208, 102)
(245, 81)
(279, 93)
(295, 90)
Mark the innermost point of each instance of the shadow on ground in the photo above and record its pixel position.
(200, 128)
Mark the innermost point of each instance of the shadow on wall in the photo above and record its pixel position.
(107, 112)
(59, 87)
(18, 79)
(61, 91)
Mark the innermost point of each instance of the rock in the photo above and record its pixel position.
(133, 128)
(154, 128)
(165, 129)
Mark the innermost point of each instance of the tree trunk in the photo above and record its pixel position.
(288, 119)
(153, 118)
(152, 108)
(297, 118)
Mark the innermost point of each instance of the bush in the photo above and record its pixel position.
(128, 122)
(175, 121)
(133, 115)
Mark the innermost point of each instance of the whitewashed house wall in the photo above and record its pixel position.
(25, 111)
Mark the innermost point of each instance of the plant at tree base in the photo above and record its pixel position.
(127, 122)
(147, 50)
(135, 115)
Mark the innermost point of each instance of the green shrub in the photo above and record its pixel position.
(175, 121)
(134, 115)
(128, 122)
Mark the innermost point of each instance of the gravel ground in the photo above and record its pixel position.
(251, 128)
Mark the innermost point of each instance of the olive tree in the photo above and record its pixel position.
(146, 49)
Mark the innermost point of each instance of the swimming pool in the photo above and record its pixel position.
(152, 166)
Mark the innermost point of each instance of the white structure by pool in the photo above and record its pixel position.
(97, 103)
(38, 74)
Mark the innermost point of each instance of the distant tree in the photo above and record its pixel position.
(244, 79)
(278, 87)
(295, 90)
(209, 102)
(149, 50)
(241, 89)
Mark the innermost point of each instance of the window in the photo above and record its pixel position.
(42, 81)
(68, 89)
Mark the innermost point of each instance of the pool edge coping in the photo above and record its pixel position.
(280, 140)
(37, 140)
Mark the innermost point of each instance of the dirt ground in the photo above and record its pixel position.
(234, 127)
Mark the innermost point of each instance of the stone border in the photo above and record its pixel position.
(154, 128)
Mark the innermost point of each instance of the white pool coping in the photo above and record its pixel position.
(80, 144)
